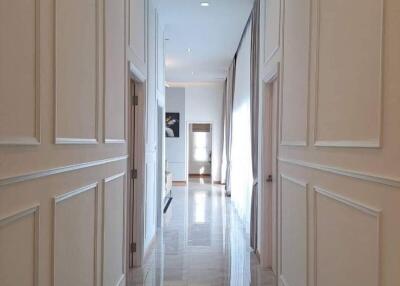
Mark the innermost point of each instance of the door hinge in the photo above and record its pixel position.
(134, 174)
(133, 247)
(135, 100)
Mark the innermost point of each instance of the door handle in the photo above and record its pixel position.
(269, 179)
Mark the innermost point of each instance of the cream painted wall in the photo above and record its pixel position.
(339, 177)
(63, 131)
(204, 104)
(175, 147)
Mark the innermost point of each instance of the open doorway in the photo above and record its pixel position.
(269, 171)
(200, 151)
(136, 87)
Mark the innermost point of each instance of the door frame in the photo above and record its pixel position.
(160, 158)
(269, 248)
(188, 123)
(137, 86)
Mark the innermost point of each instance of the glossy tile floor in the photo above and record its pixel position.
(202, 243)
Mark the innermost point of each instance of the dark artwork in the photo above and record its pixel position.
(172, 124)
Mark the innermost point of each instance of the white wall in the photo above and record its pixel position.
(175, 147)
(204, 104)
(339, 175)
(72, 211)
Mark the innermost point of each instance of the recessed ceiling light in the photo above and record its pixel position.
(189, 50)
(204, 4)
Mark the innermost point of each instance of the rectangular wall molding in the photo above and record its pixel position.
(104, 212)
(23, 70)
(64, 85)
(139, 57)
(364, 211)
(369, 130)
(62, 199)
(290, 75)
(12, 218)
(275, 49)
(107, 138)
(303, 187)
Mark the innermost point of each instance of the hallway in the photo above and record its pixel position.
(289, 107)
(203, 243)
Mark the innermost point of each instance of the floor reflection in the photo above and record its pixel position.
(203, 243)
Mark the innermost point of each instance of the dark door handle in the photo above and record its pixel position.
(269, 178)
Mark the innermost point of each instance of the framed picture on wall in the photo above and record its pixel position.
(172, 124)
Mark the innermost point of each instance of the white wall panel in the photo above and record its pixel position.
(347, 241)
(19, 248)
(296, 59)
(113, 249)
(57, 58)
(294, 227)
(19, 72)
(76, 71)
(75, 237)
(349, 78)
(115, 67)
(272, 28)
(138, 34)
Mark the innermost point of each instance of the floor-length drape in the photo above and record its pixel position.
(223, 155)
(228, 111)
(254, 101)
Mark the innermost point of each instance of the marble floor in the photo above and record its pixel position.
(202, 243)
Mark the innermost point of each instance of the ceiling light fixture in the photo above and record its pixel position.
(189, 50)
(204, 4)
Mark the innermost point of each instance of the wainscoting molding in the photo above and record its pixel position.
(123, 251)
(82, 141)
(372, 143)
(304, 187)
(22, 214)
(295, 143)
(267, 58)
(54, 171)
(36, 139)
(137, 58)
(392, 182)
(65, 140)
(106, 139)
(136, 72)
(367, 210)
(62, 198)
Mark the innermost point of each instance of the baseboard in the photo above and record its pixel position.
(199, 175)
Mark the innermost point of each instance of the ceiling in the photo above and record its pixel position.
(211, 33)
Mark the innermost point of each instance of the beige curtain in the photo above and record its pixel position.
(254, 101)
(228, 110)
